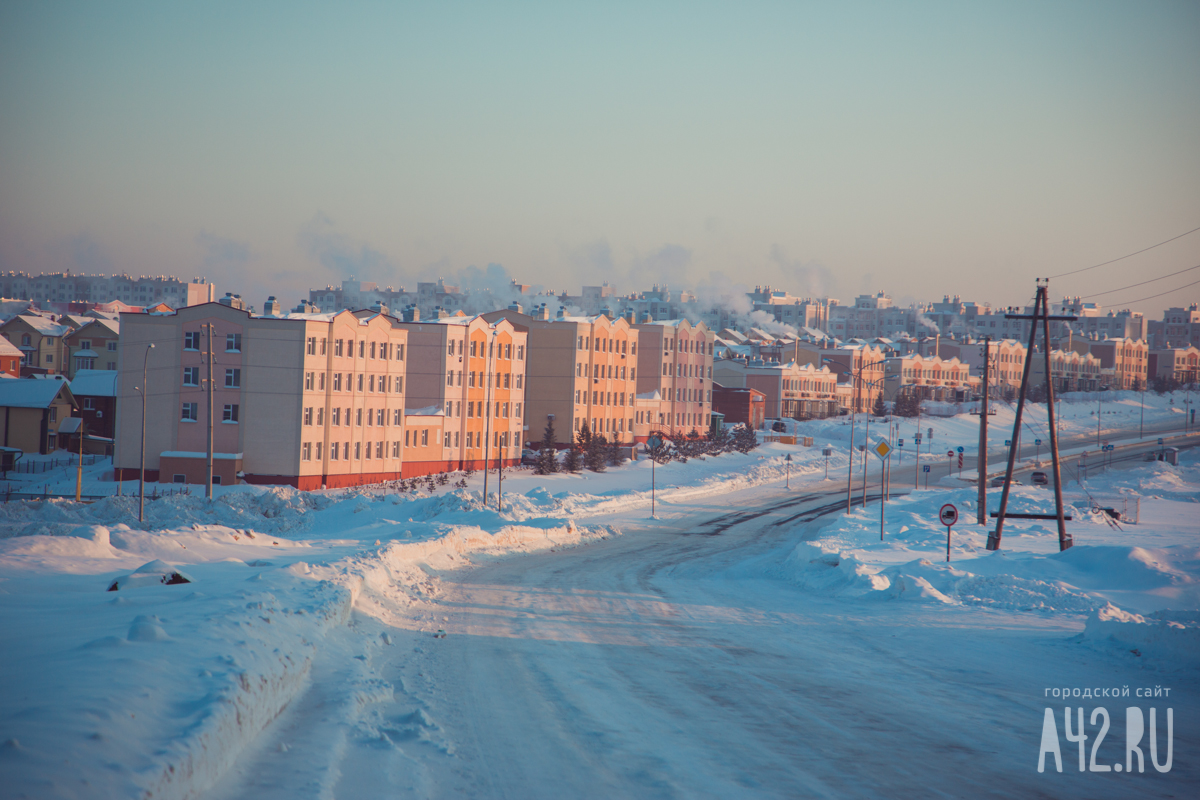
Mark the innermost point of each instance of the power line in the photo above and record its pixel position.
(1142, 283)
(1122, 258)
(1160, 294)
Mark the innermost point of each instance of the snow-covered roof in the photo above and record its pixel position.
(43, 325)
(98, 328)
(7, 348)
(94, 383)
(32, 394)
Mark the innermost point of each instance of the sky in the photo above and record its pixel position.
(831, 149)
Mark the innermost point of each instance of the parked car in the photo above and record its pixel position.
(1039, 479)
(529, 458)
(997, 481)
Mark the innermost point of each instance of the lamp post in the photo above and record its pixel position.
(487, 436)
(142, 467)
(858, 380)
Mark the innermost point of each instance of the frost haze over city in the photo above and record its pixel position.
(781, 400)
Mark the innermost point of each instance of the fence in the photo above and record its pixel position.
(24, 467)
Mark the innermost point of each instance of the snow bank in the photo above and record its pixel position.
(1165, 635)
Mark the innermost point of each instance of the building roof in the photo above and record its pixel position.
(43, 325)
(99, 328)
(7, 348)
(94, 383)
(26, 393)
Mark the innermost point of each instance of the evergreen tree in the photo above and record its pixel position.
(744, 439)
(574, 461)
(547, 457)
(879, 409)
(595, 457)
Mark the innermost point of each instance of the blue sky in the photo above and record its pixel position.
(916, 148)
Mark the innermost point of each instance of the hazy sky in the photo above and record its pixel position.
(834, 148)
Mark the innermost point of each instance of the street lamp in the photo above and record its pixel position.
(142, 468)
(857, 374)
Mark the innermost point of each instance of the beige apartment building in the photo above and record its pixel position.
(580, 369)
(1124, 362)
(1179, 363)
(676, 361)
(307, 400)
(859, 365)
(472, 372)
(930, 377)
(1072, 371)
(791, 390)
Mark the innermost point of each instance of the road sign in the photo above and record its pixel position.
(900, 443)
(1038, 442)
(1160, 441)
(960, 457)
(828, 451)
(948, 516)
(917, 438)
(1008, 442)
(931, 433)
(925, 468)
(950, 454)
(654, 442)
(789, 457)
(882, 449)
(960, 450)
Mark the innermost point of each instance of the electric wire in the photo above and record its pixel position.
(1141, 283)
(1122, 258)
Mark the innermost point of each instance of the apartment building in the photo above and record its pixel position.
(930, 377)
(1178, 363)
(1124, 362)
(1072, 371)
(1007, 363)
(580, 369)
(1180, 327)
(94, 345)
(61, 288)
(40, 340)
(676, 360)
(859, 365)
(307, 400)
(472, 372)
(740, 406)
(871, 316)
(794, 391)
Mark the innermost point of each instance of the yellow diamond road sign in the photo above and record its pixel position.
(882, 449)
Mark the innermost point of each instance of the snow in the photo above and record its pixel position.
(297, 601)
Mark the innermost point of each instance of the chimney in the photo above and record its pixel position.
(440, 313)
(272, 307)
(647, 319)
(562, 312)
(411, 313)
(515, 306)
(541, 312)
(379, 308)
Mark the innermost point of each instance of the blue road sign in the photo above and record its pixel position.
(1008, 442)
(1160, 441)
(961, 450)
(926, 468)
(1037, 441)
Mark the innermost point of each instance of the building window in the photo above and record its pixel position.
(233, 343)
(308, 416)
(362, 353)
(360, 381)
(308, 380)
(358, 418)
(424, 437)
(335, 417)
(306, 451)
(372, 350)
(321, 381)
(446, 442)
(230, 414)
(323, 343)
(338, 347)
(396, 416)
(311, 347)
(520, 352)
(337, 381)
(400, 352)
(233, 378)
(321, 416)
(88, 404)
(333, 451)
(396, 449)
(112, 347)
(358, 451)
(191, 412)
(191, 376)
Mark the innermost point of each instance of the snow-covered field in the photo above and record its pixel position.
(156, 689)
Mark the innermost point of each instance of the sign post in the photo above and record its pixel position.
(917, 477)
(788, 462)
(948, 516)
(960, 460)
(883, 450)
(654, 442)
(827, 452)
(926, 470)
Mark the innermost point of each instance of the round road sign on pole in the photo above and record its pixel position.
(948, 516)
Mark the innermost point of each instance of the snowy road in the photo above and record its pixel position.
(671, 662)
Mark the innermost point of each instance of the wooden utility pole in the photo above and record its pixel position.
(983, 420)
(1041, 311)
